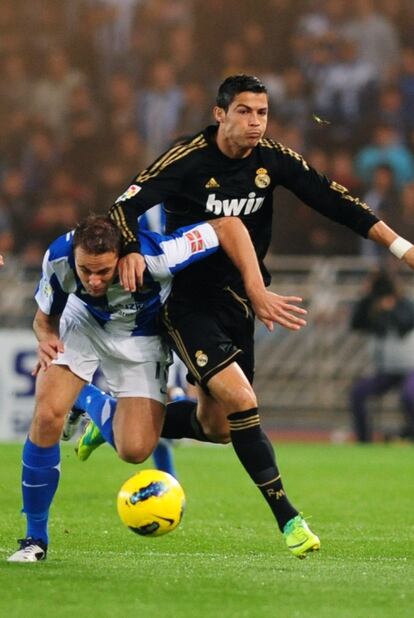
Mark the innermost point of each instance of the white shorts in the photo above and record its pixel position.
(132, 366)
(177, 374)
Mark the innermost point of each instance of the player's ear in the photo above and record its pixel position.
(219, 114)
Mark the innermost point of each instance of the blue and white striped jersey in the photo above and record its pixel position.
(153, 220)
(121, 312)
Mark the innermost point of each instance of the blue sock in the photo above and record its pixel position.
(163, 457)
(100, 407)
(40, 479)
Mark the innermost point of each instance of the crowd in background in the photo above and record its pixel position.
(92, 90)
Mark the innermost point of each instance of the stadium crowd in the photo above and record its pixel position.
(92, 90)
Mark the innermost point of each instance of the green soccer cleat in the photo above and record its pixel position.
(89, 441)
(300, 538)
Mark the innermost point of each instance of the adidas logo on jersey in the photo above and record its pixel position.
(212, 184)
(234, 207)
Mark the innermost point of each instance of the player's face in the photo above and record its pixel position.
(96, 272)
(244, 123)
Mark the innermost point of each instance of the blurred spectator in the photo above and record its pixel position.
(131, 154)
(406, 86)
(120, 104)
(65, 187)
(388, 316)
(14, 129)
(52, 92)
(15, 85)
(159, 107)
(15, 204)
(253, 38)
(81, 101)
(382, 195)
(110, 177)
(319, 159)
(235, 58)
(341, 167)
(390, 110)
(181, 50)
(40, 160)
(113, 21)
(83, 151)
(11, 36)
(404, 215)
(196, 112)
(52, 219)
(7, 238)
(44, 26)
(347, 91)
(376, 37)
(383, 198)
(293, 105)
(385, 149)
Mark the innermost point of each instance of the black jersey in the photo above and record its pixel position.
(196, 181)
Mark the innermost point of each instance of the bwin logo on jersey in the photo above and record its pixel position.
(234, 207)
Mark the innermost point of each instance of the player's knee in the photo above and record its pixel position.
(222, 437)
(243, 399)
(133, 453)
(216, 430)
(48, 419)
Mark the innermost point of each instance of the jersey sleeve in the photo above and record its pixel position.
(162, 180)
(184, 247)
(320, 193)
(50, 296)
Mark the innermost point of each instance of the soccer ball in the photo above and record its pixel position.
(151, 503)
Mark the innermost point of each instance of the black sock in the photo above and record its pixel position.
(181, 421)
(255, 452)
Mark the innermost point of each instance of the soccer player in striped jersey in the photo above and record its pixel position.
(86, 319)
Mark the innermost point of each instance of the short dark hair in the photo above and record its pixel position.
(98, 234)
(234, 84)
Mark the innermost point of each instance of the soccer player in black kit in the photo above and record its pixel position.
(231, 169)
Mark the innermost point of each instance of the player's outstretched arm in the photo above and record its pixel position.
(268, 307)
(382, 234)
(46, 328)
(1, 260)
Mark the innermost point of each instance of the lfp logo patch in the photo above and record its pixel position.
(130, 192)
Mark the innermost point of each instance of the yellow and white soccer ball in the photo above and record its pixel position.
(151, 503)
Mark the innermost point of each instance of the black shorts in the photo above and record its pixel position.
(208, 332)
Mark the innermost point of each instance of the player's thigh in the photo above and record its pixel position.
(232, 390)
(137, 427)
(208, 338)
(141, 390)
(56, 390)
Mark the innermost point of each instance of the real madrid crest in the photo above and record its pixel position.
(262, 179)
(201, 358)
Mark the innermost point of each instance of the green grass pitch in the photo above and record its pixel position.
(227, 558)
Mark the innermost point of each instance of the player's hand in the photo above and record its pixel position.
(1, 261)
(47, 351)
(272, 308)
(131, 271)
(408, 258)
